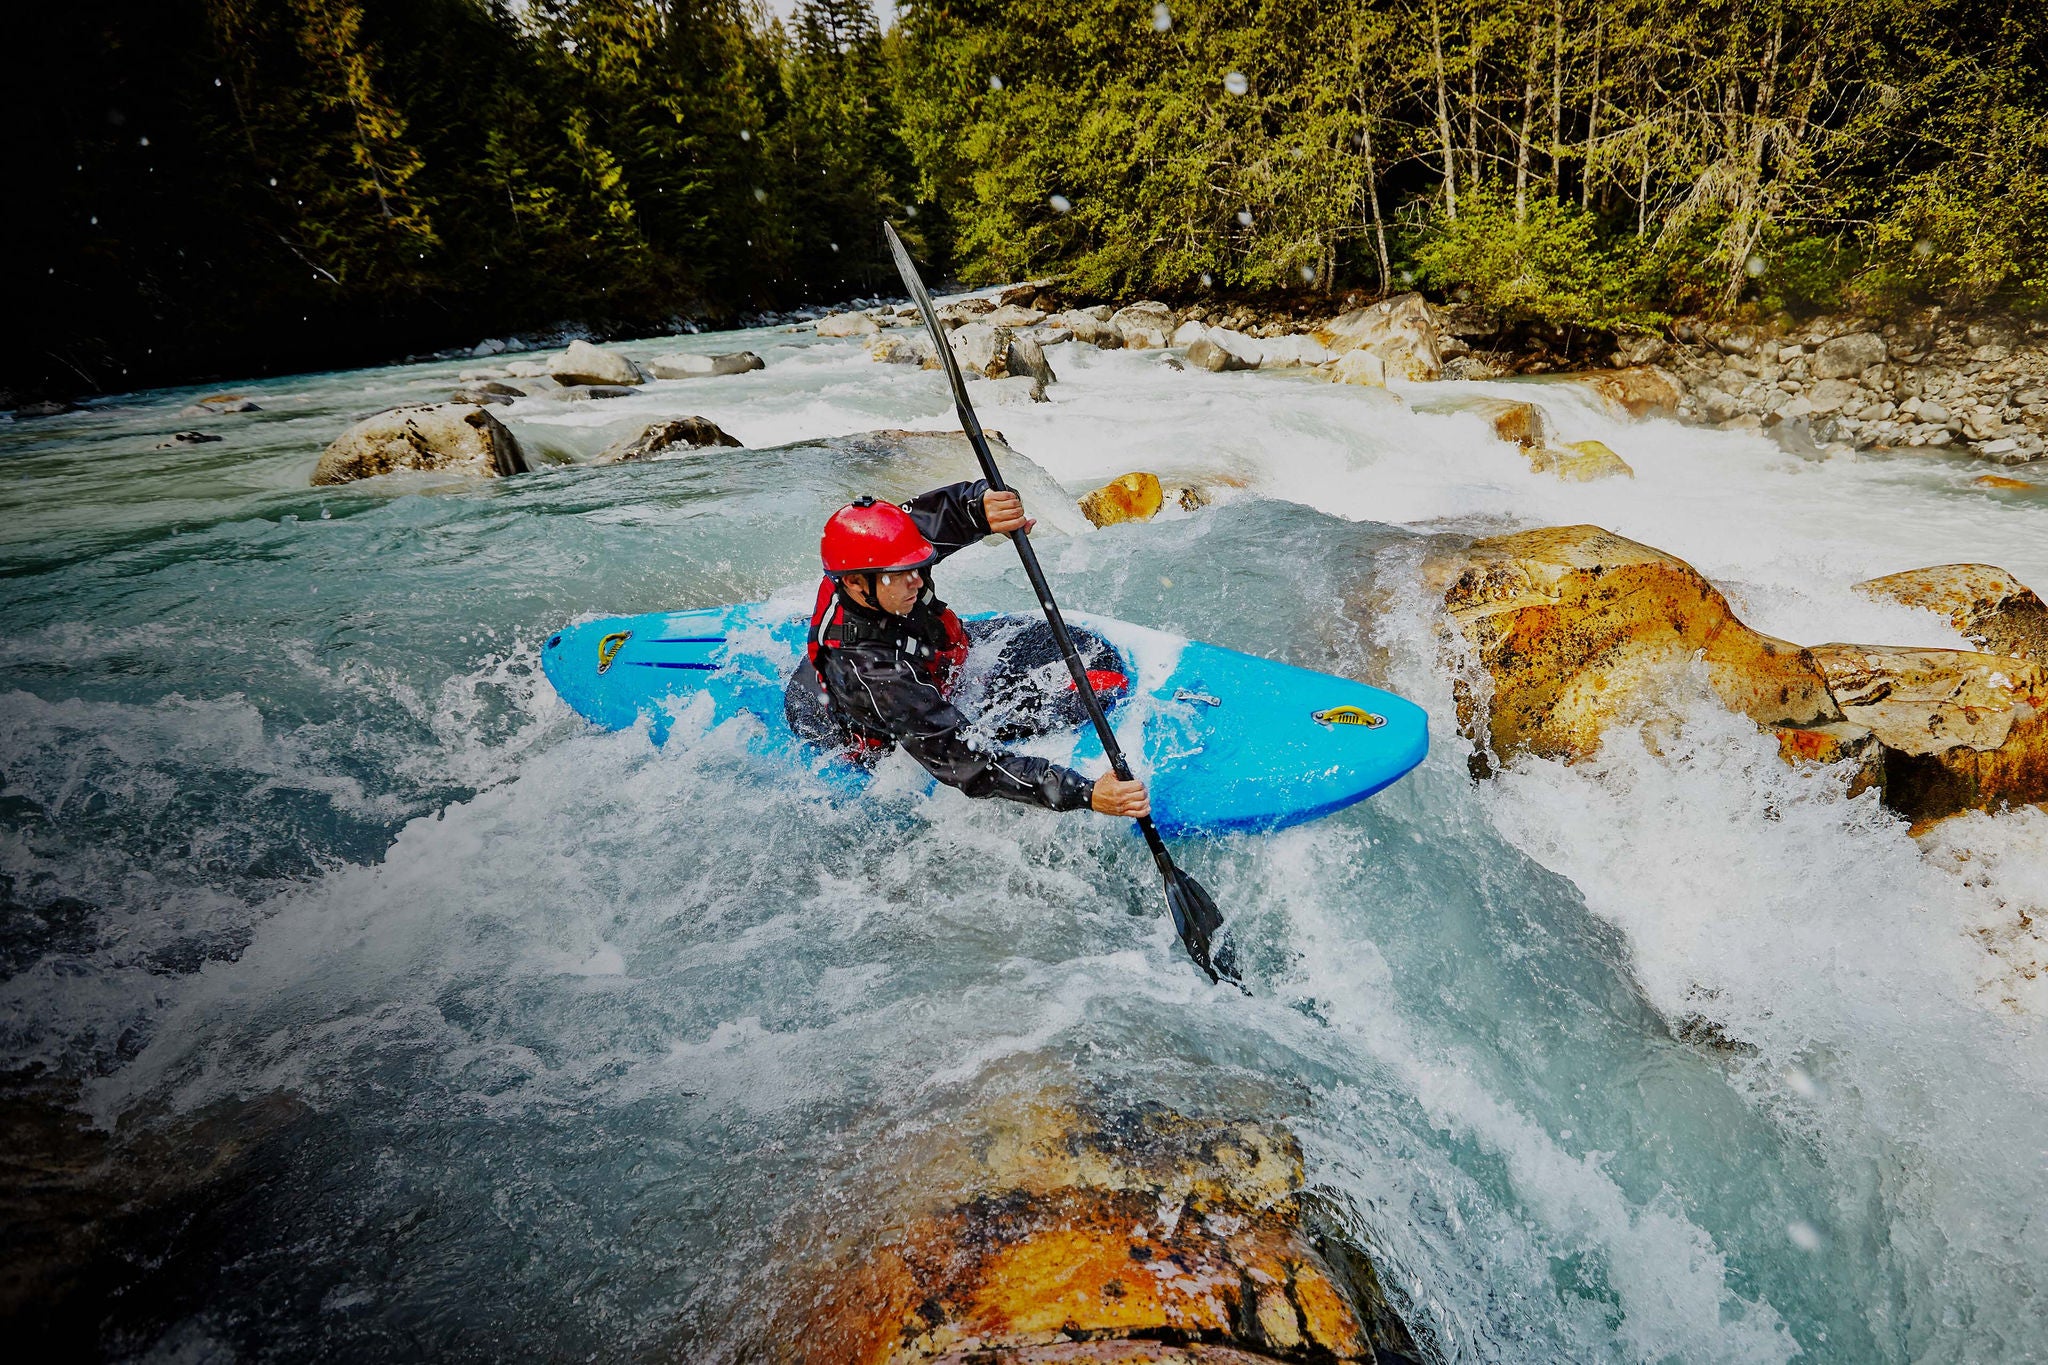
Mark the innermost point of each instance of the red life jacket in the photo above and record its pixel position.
(933, 640)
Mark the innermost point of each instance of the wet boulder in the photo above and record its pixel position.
(1576, 626)
(445, 436)
(1293, 352)
(1401, 331)
(899, 349)
(981, 349)
(580, 393)
(585, 364)
(217, 404)
(1959, 731)
(846, 325)
(1084, 326)
(1027, 361)
(1986, 605)
(658, 438)
(185, 438)
(1131, 497)
(1361, 367)
(683, 366)
(1521, 423)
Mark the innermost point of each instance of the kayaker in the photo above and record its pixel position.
(884, 651)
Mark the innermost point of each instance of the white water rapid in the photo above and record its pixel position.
(1675, 1055)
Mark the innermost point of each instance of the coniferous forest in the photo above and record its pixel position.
(238, 186)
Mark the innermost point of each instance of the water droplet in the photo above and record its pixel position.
(1407, 277)
(746, 134)
(1206, 280)
(142, 141)
(326, 515)
(95, 220)
(834, 246)
(1923, 248)
(1244, 217)
(1235, 83)
(1565, 1134)
(995, 82)
(1164, 581)
(273, 182)
(1061, 204)
(1308, 274)
(1803, 1236)
(1162, 18)
(910, 209)
(1801, 1084)
(1755, 266)
(760, 195)
(216, 82)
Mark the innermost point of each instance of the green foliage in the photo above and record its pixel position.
(1552, 265)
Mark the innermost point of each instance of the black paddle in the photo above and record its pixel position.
(1194, 914)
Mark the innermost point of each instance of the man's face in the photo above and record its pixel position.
(896, 593)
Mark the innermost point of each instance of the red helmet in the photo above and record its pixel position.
(869, 536)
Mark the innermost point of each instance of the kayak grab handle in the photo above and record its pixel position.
(1348, 715)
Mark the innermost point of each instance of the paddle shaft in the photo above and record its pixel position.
(972, 426)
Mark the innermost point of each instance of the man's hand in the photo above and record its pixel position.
(1115, 797)
(1005, 513)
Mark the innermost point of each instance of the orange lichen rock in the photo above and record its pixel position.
(1574, 625)
(1960, 731)
(2001, 482)
(1127, 1237)
(1987, 606)
(1639, 391)
(1132, 497)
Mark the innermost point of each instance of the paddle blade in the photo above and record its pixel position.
(1198, 921)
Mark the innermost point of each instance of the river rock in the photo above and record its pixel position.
(1999, 481)
(1143, 325)
(1846, 357)
(1361, 367)
(185, 438)
(895, 348)
(479, 396)
(217, 404)
(847, 325)
(1579, 462)
(1575, 626)
(451, 436)
(982, 349)
(677, 433)
(1292, 352)
(584, 363)
(1960, 731)
(1640, 391)
(1986, 605)
(1210, 355)
(527, 369)
(1188, 333)
(1085, 327)
(1514, 421)
(1401, 331)
(1012, 388)
(1027, 361)
(1085, 1234)
(682, 365)
(1012, 316)
(1131, 497)
(577, 393)
(1643, 348)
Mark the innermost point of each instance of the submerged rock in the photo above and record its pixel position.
(677, 433)
(1205, 353)
(217, 404)
(1359, 367)
(449, 436)
(1640, 391)
(1986, 605)
(585, 364)
(1521, 423)
(684, 366)
(1130, 497)
(1401, 331)
(186, 438)
(1579, 462)
(577, 393)
(54, 407)
(1061, 1234)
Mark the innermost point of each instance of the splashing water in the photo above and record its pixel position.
(1674, 1054)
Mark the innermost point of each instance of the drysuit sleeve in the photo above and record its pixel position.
(889, 697)
(951, 518)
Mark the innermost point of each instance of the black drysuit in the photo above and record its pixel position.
(882, 682)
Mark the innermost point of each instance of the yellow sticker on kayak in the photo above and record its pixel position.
(1349, 715)
(608, 648)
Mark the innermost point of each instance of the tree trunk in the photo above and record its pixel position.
(1443, 113)
(1556, 98)
(1379, 227)
(1592, 118)
(1522, 138)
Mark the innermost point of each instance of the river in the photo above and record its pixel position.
(544, 1035)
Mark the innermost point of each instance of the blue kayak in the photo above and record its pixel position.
(1227, 741)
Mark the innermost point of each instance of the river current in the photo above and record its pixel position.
(551, 1041)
